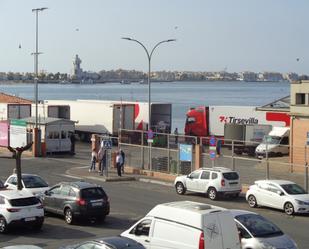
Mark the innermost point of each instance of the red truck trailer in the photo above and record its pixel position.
(204, 121)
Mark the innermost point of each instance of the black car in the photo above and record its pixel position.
(116, 242)
(77, 200)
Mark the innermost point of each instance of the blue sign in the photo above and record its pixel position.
(185, 152)
(212, 141)
(150, 134)
(212, 155)
(107, 144)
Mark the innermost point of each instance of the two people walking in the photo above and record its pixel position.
(101, 158)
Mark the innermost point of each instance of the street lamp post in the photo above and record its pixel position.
(149, 56)
(36, 60)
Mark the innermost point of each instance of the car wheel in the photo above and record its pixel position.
(3, 225)
(180, 188)
(38, 226)
(289, 208)
(68, 216)
(252, 201)
(212, 194)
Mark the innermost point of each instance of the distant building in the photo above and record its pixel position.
(77, 70)
(292, 76)
(248, 76)
(271, 76)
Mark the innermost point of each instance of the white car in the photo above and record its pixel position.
(256, 232)
(33, 183)
(279, 194)
(19, 207)
(211, 181)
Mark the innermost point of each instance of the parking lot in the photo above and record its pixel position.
(130, 200)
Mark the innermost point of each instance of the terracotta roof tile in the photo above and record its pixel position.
(6, 98)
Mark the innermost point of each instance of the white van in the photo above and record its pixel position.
(276, 143)
(186, 225)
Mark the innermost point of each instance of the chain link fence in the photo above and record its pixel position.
(162, 155)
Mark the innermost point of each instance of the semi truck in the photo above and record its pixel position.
(244, 137)
(204, 121)
(106, 117)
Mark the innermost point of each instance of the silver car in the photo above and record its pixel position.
(256, 232)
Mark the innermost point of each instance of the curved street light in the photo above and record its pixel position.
(149, 56)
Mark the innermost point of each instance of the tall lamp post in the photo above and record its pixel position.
(36, 60)
(149, 56)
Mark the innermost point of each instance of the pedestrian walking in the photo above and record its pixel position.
(102, 160)
(218, 147)
(119, 163)
(176, 135)
(123, 160)
(72, 139)
(94, 156)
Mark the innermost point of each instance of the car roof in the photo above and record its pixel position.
(15, 194)
(275, 181)
(218, 169)
(120, 242)
(24, 174)
(80, 184)
(236, 212)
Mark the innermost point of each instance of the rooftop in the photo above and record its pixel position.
(6, 98)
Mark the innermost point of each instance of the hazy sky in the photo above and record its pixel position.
(212, 35)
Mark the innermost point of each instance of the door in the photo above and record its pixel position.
(192, 180)
(50, 199)
(52, 138)
(203, 182)
(275, 199)
(65, 142)
(212, 231)
(141, 232)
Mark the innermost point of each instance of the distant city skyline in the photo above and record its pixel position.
(236, 36)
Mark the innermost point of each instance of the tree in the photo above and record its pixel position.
(17, 155)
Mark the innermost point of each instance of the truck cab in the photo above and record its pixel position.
(197, 122)
(276, 143)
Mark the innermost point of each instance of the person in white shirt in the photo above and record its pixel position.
(119, 162)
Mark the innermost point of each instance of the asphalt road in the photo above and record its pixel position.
(129, 202)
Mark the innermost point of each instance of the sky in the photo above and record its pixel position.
(212, 35)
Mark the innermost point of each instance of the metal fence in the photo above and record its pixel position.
(162, 155)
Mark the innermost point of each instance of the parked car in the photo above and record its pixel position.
(33, 183)
(194, 226)
(77, 200)
(21, 247)
(211, 181)
(279, 194)
(256, 232)
(19, 207)
(117, 242)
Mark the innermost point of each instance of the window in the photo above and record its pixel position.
(88, 245)
(34, 182)
(72, 193)
(56, 135)
(93, 193)
(55, 190)
(205, 175)
(190, 120)
(63, 134)
(285, 141)
(300, 99)
(231, 176)
(273, 188)
(142, 228)
(214, 175)
(24, 202)
(65, 190)
(242, 231)
(195, 175)
(13, 180)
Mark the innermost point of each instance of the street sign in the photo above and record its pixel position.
(150, 140)
(212, 155)
(185, 152)
(18, 133)
(212, 141)
(107, 144)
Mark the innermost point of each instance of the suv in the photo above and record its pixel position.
(77, 199)
(211, 181)
(19, 207)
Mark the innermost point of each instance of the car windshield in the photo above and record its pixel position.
(258, 226)
(271, 140)
(34, 182)
(231, 176)
(293, 189)
(93, 193)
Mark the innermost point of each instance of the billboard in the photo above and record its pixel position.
(18, 133)
(4, 134)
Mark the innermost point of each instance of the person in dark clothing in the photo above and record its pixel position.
(176, 136)
(72, 139)
(118, 163)
(123, 160)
